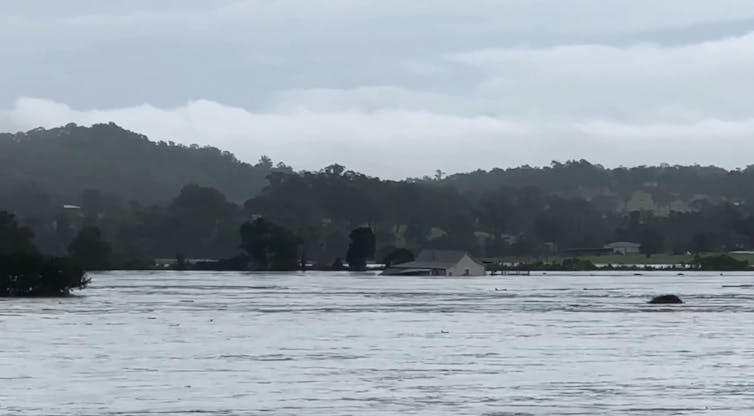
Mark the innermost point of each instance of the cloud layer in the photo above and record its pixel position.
(394, 88)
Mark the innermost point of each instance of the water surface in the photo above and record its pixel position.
(337, 344)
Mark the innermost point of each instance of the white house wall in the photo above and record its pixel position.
(475, 269)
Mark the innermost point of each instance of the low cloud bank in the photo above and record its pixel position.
(408, 142)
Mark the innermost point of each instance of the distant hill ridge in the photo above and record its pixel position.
(65, 161)
(61, 163)
(655, 188)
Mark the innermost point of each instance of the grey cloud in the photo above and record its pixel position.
(392, 87)
(641, 82)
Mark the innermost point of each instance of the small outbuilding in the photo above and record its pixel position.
(439, 263)
(623, 247)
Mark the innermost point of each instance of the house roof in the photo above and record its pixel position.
(434, 259)
(397, 271)
(621, 244)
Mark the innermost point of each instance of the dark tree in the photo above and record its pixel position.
(30, 274)
(264, 162)
(13, 237)
(25, 272)
(180, 262)
(701, 243)
(203, 223)
(90, 250)
(270, 246)
(361, 248)
(652, 242)
(337, 264)
(719, 262)
(92, 203)
(334, 170)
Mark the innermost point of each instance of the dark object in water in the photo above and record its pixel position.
(665, 300)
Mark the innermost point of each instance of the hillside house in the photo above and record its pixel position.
(623, 247)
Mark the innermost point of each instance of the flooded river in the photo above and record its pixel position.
(337, 344)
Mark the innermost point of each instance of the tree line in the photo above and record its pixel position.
(149, 200)
(315, 217)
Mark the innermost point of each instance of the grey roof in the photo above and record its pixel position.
(397, 271)
(434, 259)
(619, 244)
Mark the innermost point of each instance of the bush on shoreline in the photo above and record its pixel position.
(33, 275)
(25, 272)
(720, 262)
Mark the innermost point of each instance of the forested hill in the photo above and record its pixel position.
(157, 199)
(656, 188)
(56, 166)
(61, 163)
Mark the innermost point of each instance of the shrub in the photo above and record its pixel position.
(24, 274)
(719, 262)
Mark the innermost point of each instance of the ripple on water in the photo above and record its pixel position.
(330, 344)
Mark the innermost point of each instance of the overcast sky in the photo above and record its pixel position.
(394, 88)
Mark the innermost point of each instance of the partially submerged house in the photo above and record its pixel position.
(623, 247)
(439, 263)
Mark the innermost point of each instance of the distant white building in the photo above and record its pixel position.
(439, 263)
(623, 247)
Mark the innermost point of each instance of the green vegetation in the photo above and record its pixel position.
(113, 199)
(629, 259)
(26, 275)
(89, 250)
(563, 264)
(361, 248)
(25, 272)
(13, 237)
(719, 262)
(654, 188)
(577, 264)
(270, 246)
(641, 201)
(54, 167)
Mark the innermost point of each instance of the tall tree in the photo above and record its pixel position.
(652, 242)
(90, 250)
(270, 246)
(204, 222)
(361, 248)
(13, 237)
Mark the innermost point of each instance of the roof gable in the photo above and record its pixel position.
(440, 256)
(435, 259)
(623, 244)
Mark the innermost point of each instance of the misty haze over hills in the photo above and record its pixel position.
(394, 88)
(62, 162)
(157, 199)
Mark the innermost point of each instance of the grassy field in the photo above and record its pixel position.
(627, 259)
